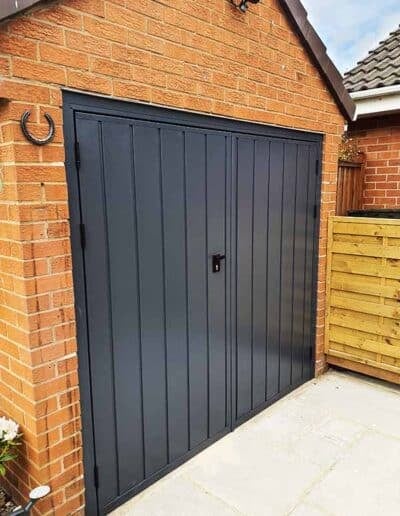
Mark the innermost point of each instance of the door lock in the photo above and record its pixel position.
(216, 262)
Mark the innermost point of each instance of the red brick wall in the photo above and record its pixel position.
(379, 139)
(200, 56)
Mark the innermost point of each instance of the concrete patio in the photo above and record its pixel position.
(330, 448)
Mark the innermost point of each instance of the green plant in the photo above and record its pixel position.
(348, 149)
(9, 440)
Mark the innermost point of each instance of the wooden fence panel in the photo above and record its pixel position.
(349, 187)
(363, 296)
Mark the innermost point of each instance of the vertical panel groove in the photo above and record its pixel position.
(111, 333)
(232, 278)
(207, 286)
(228, 258)
(314, 266)
(280, 270)
(164, 284)
(236, 279)
(136, 236)
(266, 272)
(252, 281)
(293, 263)
(305, 258)
(186, 287)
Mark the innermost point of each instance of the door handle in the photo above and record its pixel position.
(216, 262)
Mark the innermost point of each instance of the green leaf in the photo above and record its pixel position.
(2, 470)
(8, 457)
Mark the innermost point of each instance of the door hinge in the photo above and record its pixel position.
(96, 476)
(311, 353)
(315, 211)
(77, 155)
(82, 230)
(317, 167)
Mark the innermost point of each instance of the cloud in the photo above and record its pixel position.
(351, 28)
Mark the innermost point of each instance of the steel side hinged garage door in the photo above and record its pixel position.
(195, 281)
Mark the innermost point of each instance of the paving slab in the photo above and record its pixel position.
(330, 448)
(179, 497)
(366, 481)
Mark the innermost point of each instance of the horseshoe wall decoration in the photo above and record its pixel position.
(33, 139)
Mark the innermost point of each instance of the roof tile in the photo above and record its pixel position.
(380, 68)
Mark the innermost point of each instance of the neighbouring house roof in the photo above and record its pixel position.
(297, 14)
(380, 69)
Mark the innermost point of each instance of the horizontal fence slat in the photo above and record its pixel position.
(363, 284)
(373, 363)
(359, 239)
(366, 220)
(387, 328)
(363, 265)
(379, 230)
(378, 251)
(356, 340)
(357, 305)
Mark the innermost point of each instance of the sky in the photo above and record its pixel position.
(350, 28)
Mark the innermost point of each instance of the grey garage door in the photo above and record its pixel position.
(194, 284)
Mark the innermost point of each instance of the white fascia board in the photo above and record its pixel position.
(380, 101)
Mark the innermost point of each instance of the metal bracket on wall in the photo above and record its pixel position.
(242, 5)
(33, 139)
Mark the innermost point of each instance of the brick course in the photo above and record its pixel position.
(203, 57)
(379, 139)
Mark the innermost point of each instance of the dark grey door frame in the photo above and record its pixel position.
(77, 102)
